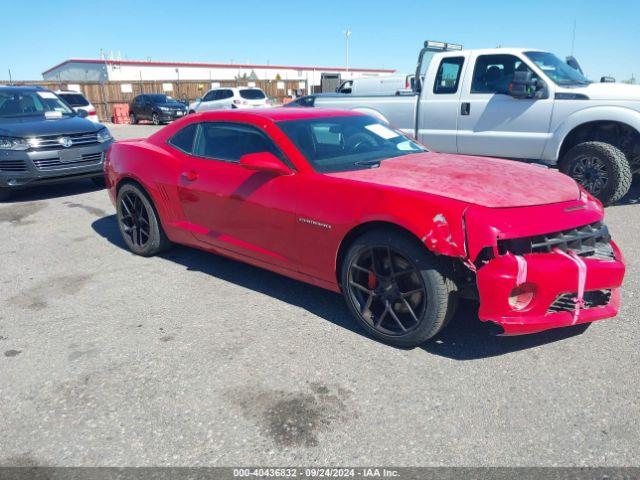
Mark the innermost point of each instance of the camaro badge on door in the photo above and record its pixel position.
(315, 223)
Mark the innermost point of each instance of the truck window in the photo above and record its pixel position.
(448, 76)
(494, 73)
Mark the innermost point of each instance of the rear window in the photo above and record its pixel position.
(252, 94)
(74, 99)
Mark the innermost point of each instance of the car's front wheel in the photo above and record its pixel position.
(139, 223)
(396, 289)
(602, 169)
(132, 118)
(155, 118)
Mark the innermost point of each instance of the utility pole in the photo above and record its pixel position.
(10, 81)
(347, 34)
(573, 39)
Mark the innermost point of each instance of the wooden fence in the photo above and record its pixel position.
(104, 95)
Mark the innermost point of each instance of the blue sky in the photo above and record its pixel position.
(38, 35)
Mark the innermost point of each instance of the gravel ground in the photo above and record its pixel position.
(192, 359)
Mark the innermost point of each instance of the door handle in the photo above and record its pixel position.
(189, 176)
(465, 108)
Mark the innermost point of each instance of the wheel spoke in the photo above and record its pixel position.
(361, 288)
(378, 322)
(395, 317)
(362, 269)
(411, 292)
(410, 308)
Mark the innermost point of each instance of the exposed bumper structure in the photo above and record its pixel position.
(553, 282)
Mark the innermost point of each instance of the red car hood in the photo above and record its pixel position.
(480, 180)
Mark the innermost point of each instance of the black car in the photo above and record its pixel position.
(157, 107)
(43, 140)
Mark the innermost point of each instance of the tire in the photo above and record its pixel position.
(602, 169)
(155, 118)
(5, 193)
(413, 266)
(132, 198)
(99, 181)
(132, 118)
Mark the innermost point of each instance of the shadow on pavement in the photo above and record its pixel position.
(56, 190)
(466, 337)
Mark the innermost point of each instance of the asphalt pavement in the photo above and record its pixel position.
(192, 359)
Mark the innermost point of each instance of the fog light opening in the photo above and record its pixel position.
(522, 296)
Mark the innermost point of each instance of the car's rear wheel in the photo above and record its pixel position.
(396, 289)
(139, 223)
(155, 118)
(5, 193)
(132, 118)
(602, 169)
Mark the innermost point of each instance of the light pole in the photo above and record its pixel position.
(347, 34)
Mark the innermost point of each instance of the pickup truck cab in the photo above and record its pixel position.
(519, 104)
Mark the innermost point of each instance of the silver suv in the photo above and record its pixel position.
(230, 98)
(43, 140)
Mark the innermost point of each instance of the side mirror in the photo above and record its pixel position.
(607, 80)
(522, 85)
(264, 162)
(82, 113)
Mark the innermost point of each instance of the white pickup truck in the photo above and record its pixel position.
(519, 104)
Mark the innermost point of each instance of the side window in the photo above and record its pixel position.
(183, 140)
(448, 76)
(494, 73)
(211, 95)
(224, 94)
(229, 141)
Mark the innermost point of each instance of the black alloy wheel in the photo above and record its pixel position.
(388, 289)
(396, 289)
(139, 223)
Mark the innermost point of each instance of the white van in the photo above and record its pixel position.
(384, 85)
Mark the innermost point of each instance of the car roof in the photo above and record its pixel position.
(294, 113)
(22, 88)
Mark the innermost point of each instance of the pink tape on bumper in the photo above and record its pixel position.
(582, 280)
(521, 277)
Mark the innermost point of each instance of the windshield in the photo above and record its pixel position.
(252, 94)
(338, 144)
(32, 103)
(557, 70)
(74, 99)
(160, 98)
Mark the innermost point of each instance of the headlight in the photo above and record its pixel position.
(14, 143)
(165, 109)
(104, 135)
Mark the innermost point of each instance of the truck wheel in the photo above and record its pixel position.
(5, 193)
(132, 118)
(602, 169)
(396, 289)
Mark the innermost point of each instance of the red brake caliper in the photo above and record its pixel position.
(371, 281)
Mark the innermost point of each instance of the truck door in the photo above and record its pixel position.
(491, 121)
(439, 103)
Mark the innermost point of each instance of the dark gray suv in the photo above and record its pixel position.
(42, 140)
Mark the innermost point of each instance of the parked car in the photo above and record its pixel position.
(230, 98)
(42, 140)
(78, 101)
(342, 201)
(382, 85)
(157, 107)
(521, 104)
(308, 101)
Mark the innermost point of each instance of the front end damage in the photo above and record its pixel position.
(543, 267)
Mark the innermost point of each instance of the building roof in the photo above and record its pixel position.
(212, 65)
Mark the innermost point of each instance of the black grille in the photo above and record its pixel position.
(55, 163)
(566, 301)
(591, 240)
(13, 166)
(53, 142)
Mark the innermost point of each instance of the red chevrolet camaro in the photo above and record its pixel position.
(340, 200)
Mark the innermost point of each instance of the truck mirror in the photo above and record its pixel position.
(607, 80)
(522, 85)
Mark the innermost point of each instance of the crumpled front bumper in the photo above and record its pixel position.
(551, 274)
